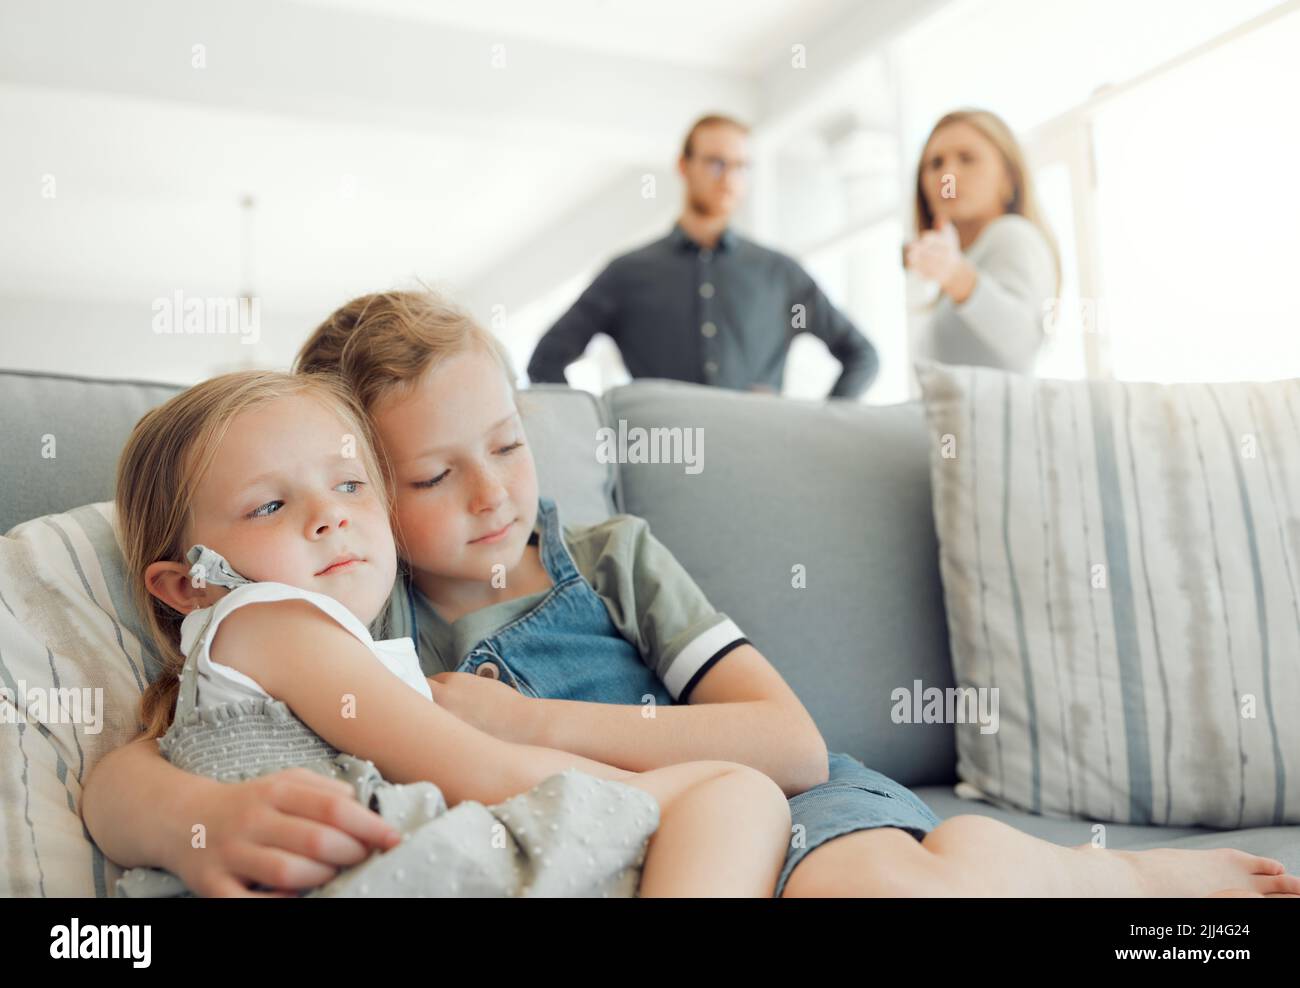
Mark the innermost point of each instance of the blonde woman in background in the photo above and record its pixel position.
(982, 240)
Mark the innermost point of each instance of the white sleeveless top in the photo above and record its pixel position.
(218, 683)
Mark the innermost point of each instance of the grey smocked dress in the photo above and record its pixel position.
(570, 835)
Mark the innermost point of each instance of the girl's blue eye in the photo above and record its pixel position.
(271, 507)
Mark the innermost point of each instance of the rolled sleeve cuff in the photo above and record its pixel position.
(699, 655)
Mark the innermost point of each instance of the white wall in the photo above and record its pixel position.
(117, 339)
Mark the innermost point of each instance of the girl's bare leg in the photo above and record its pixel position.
(723, 831)
(973, 855)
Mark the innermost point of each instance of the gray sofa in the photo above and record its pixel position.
(839, 488)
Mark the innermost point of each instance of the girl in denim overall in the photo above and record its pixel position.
(566, 647)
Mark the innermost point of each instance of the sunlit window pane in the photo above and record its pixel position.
(1199, 216)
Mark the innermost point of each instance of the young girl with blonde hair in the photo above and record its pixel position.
(254, 517)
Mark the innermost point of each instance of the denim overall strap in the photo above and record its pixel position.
(555, 557)
(566, 647)
(485, 659)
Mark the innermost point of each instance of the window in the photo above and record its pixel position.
(1199, 217)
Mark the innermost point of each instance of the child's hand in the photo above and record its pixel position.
(492, 706)
(289, 830)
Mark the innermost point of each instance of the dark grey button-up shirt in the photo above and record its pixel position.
(722, 316)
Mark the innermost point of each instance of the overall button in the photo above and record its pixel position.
(708, 329)
(706, 290)
(489, 669)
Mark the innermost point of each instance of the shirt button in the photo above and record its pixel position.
(708, 329)
(710, 367)
(706, 290)
(489, 669)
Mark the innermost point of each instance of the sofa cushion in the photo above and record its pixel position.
(840, 489)
(1282, 843)
(60, 437)
(561, 424)
(1122, 564)
(66, 624)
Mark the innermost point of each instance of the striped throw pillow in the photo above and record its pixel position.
(73, 662)
(1121, 565)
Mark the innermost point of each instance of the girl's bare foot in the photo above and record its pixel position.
(1166, 871)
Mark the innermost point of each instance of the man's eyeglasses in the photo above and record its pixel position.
(717, 167)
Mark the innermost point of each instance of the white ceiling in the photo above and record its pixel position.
(740, 36)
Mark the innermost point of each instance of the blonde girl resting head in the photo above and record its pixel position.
(276, 476)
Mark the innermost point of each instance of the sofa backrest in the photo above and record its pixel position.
(831, 494)
(60, 437)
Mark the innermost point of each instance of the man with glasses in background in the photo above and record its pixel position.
(704, 304)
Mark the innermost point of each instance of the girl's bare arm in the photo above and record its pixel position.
(134, 776)
(741, 711)
(291, 829)
(337, 687)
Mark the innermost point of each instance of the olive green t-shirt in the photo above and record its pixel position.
(651, 600)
